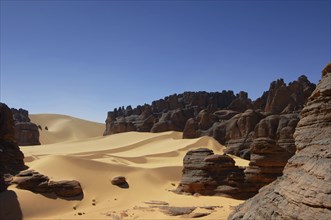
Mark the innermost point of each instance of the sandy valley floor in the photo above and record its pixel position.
(151, 162)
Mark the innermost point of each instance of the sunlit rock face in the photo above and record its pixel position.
(303, 192)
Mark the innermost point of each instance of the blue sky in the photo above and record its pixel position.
(84, 58)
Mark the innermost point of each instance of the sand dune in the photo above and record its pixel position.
(152, 164)
(63, 128)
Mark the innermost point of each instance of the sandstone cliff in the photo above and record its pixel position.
(182, 112)
(26, 132)
(11, 158)
(304, 190)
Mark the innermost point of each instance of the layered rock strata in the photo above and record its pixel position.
(231, 119)
(26, 132)
(170, 113)
(208, 174)
(304, 190)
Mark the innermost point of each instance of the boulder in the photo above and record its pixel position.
(120, 181)
(65, 188)
(303, 191)
(39, 183)
(32, 181)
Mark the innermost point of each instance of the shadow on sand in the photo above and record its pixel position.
(9, 206)
(54, 196)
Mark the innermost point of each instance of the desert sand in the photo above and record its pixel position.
(151, 162)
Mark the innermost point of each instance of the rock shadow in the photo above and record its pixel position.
(9, 206)
(124, 185)
(54, 196)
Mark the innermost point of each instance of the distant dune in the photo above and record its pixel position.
(151, 162)
(63, 128)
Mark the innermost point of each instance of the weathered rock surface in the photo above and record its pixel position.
(304, 190)
(261, 131)
(26, 132)
(272, 146)
(65, 188)
(281, 98)
(11, 158)
(39, 183)
(237, 133)
(209, 174)
(170, 113)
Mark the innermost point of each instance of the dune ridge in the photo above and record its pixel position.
(151, 163)
(63, 128)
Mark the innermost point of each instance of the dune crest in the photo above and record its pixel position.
(61, 128)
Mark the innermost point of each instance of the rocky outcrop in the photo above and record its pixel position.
(170, 113)
(173, 120)
(39, 183)
(26, 132)
(237, 133)
(208, 174)
(11, 158)
(282, 98)
(303, 192)
(272, 146)
(232, 120)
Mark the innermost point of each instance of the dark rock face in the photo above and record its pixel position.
(209, 174)
(11, 158)
(229, 118)
(65, 188)
(170, 113)
(237, 133)
(303, 192)
(285, 99)
(39, 183)
(272, 146)
(260, 131)
(26, 132)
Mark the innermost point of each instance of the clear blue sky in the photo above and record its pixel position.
(84, 58)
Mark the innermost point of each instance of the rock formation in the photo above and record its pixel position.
(11, 158)
(237, 133)
(272, 146)
(209, 174)
(39, 183)
(170, 113)
(26, 132)
(231, 119)
(261, 131)
(303, 192)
